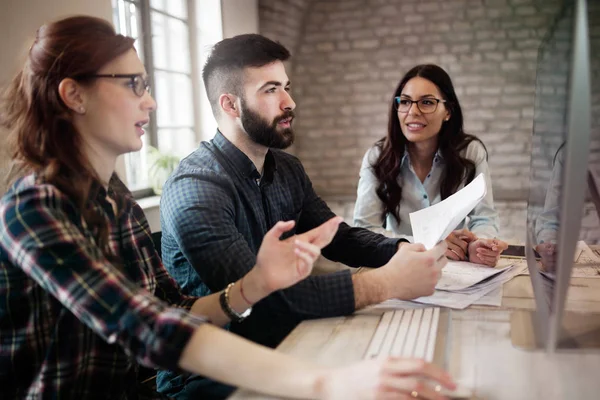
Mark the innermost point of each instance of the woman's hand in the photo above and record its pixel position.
(547, 252)
(458, 242)
(486, 251)
(393, 378)
(283, 263)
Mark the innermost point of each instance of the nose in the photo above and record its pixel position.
(148, 102)
(287, 103)
(413, 109)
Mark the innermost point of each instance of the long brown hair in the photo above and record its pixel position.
(452, 139)
(42, 138)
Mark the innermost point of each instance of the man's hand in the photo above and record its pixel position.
(486, 251)
(412, 272)
(283, 263)
(458, 242)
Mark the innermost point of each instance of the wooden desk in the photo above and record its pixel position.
(482, 356)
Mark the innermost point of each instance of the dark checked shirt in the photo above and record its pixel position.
(72, 324)
(214, 216)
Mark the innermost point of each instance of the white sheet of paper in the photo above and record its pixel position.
(433, 224)
(458, 275)
(464, 298)
(585, 255)
(493, 298)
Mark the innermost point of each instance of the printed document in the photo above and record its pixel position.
(433, 224)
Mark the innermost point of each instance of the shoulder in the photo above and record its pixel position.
(475, 151)
(371, 155)
(202, 160)
(196, 172)
(27, 191)
(29, 201)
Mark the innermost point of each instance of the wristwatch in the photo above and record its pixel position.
(228, 310)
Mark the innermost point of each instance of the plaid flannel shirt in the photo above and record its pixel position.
(73, 324)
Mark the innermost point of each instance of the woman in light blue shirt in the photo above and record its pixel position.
(426, 157)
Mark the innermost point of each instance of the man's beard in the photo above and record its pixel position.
(265, 134)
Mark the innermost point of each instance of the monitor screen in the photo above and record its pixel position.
(562, 218)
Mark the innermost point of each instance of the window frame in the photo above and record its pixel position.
(144, 13)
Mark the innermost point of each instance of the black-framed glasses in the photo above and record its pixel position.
(137, 83)
(426, 105)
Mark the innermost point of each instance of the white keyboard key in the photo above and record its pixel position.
(432, 335)
(390, 336)
(401, 335)
(408, 349)
(423, 335)
(379, 335)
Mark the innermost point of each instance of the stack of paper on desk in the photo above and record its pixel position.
(463, 284)
(433, 224)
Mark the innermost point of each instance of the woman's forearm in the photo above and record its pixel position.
(231, 359)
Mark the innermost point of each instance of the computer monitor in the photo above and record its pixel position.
(560, 176)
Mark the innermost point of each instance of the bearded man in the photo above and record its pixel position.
(223, 198)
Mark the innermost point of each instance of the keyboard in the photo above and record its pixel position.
(406, 333)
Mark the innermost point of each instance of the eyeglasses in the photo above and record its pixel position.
(427, 105)
(137, 83)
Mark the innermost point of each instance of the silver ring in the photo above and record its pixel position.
(455, 253)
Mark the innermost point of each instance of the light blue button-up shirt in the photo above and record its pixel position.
(416, 195)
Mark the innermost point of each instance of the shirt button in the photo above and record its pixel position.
(424, 196)
(429, 176)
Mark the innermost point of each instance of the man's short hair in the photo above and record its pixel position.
(224, 68)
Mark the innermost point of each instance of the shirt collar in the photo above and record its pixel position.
(242, 162)
(406, 157)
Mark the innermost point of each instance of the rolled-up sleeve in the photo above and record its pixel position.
(45, 239)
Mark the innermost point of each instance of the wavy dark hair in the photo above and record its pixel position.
(452, 139)
(42, 138)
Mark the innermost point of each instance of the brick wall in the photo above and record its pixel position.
(353, 53)
(283, 20)
(348, 56)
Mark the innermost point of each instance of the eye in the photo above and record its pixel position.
(404, 102)
(287, 89)
(427, 102)
(271, 90)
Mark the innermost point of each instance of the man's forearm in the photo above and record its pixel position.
(369, 288)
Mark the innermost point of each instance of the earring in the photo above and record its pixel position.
(81, 110)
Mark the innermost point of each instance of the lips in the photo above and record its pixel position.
(140, 124)
(415, 126)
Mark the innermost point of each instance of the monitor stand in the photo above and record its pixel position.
(579, 331)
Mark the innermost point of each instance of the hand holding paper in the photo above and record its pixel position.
(433, 224)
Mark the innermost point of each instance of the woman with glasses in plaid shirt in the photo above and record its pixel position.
(425, 158)
(84, 297)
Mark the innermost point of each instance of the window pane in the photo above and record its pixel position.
(179, 142)
(127, 20)
(177, 8)
(174, 98)
(136, 165)
(170, 40)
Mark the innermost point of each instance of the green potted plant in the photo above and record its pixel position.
(162, 166)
